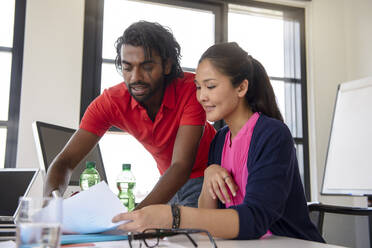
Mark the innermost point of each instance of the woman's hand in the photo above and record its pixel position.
(215, 179)
(153, 216)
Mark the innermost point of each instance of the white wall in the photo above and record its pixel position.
(52, 65)
(328, 63)
(51, 82)
(340, 45)
(358, 38)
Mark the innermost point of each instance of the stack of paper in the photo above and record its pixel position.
(91, 211)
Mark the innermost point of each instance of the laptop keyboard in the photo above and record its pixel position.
(7, 225)
(7, 229)
(6, 222)
(7, 233)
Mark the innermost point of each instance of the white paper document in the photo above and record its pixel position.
(91, 211)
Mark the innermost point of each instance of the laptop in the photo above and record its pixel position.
(50, 140)
(14, 183)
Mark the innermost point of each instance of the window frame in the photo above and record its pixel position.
(92, 54)
(15, 84)
(298, 14)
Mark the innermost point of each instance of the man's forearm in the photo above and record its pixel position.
(172, 180)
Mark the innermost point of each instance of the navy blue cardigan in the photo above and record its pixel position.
(274, 198)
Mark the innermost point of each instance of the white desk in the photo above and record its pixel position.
(203, 242)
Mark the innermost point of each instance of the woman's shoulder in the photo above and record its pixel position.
(271, 127)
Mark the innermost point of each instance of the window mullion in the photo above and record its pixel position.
(15, 84)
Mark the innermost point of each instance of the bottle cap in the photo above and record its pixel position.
(126, 166)
(90, 164)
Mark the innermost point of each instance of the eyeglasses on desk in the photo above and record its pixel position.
(151, 237)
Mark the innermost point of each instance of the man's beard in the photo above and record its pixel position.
(151, 91)
(142, 98)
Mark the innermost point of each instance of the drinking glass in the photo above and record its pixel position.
(39, 222)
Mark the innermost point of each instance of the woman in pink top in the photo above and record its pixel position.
(252, 185)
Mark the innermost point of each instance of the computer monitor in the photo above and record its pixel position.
(50, 140)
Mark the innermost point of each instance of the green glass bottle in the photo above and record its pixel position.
(126, 183)
(89, 176)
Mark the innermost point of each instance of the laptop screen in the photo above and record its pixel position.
(50, 140)
(14, 183)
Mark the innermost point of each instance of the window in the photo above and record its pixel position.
(272, 33)
(12, 17)
(200, 24)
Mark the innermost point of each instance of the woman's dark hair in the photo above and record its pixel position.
(231, 60)
(152, 36)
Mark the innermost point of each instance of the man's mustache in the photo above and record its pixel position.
(143, 84)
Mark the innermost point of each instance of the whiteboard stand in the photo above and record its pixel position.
(348, 169)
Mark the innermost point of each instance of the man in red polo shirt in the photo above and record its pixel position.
(156, 104)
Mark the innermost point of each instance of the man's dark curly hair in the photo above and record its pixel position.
(152, 36)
